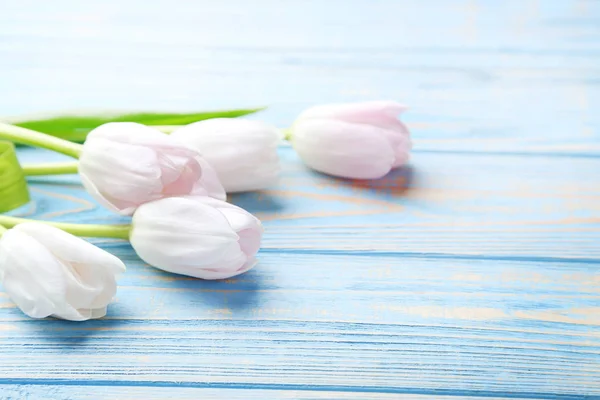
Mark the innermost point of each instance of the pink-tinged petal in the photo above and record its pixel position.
(219, 273)
(179, 173)
(122, 175)
(248, 228)
(130, 133)
(110, 203)
(196, 236)
(378, 113)
(209, 184)
(124, 165)
(395, 131)
(249, 241)
(344, 149)
(402, 152)
(242, 152)
(175, 232)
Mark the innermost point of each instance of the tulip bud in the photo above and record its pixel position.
(46, 271)
(196, 236)
(243, 152)
(125, 164)
(356, 140)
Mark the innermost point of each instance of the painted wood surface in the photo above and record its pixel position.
(472, 273)
(142, 393)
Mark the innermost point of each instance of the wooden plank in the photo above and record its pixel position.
(43, 392)
(389, 325)
(472, 274)
(517, 75)
(444, 205)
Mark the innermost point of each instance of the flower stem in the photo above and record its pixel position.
(287, 134)
(62, 168)
(13, 185)
(86, 230)
(37, 139)
(2, 230)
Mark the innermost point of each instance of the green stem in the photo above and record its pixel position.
(287, 134)
(87, 230)
(37, 139)
(13, 185)
(62, 168)
(2, 230)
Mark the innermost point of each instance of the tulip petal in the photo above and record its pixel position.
(180, 172)
(378, 113)
(179, 232)
(71, 248)
(124, 165)
(107, 169)
(209, 184)
(196, 236)
(49, 272)
(344, 149)
(31, 274)
(242, 152)
(402, 152)
(125, 208)
(248, 228)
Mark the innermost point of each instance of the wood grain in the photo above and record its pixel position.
(518, 75)
(388, 325)
(29, 392)
(474, 273)
(443, 205)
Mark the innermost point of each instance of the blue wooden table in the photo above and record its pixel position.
(472, 273)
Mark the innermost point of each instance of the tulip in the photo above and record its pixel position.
(356, 140)
(196, 236)
(46, 271)
(125, 164)
(243, 152)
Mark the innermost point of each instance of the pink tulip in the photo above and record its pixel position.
(242, 152)
(196, 236)
(124, 165)
(355, 140)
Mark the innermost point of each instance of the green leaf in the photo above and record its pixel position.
(75, 127)
(13, 186)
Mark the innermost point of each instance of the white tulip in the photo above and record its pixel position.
(354, 140)
(46, 271)
(125, 164)
(243, 152)
(196, 236)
